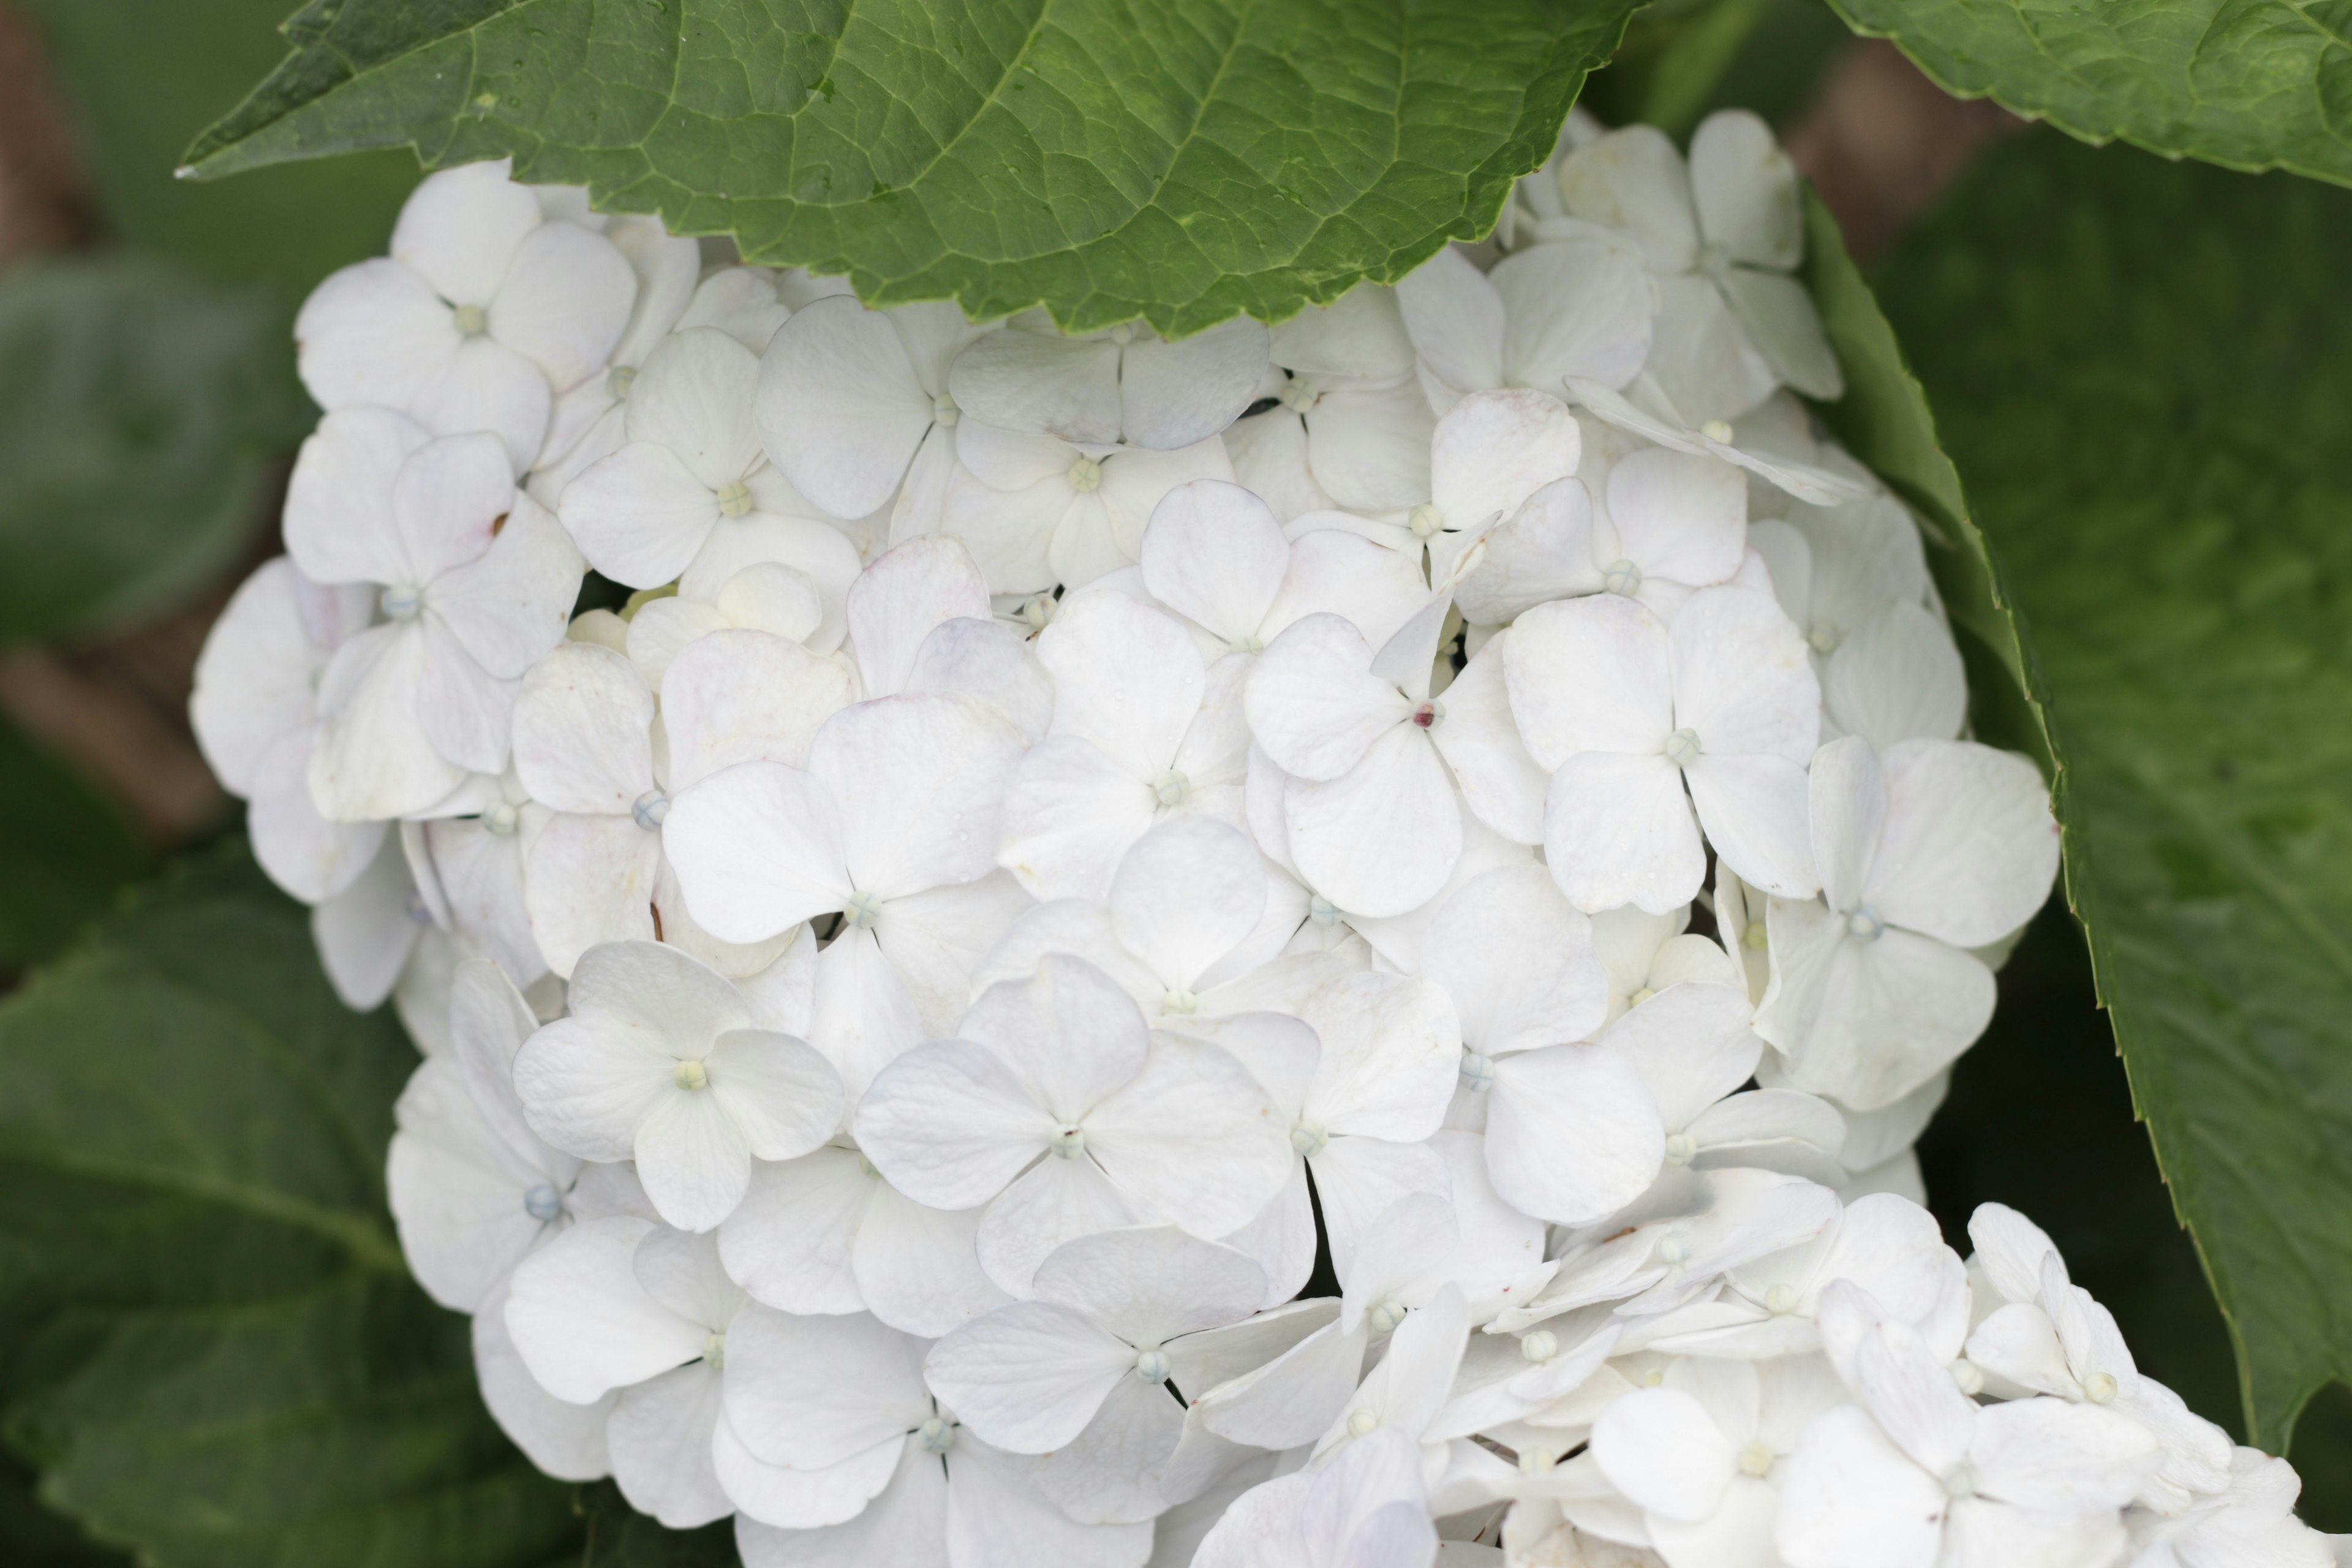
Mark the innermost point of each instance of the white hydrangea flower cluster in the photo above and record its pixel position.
(1456, 802)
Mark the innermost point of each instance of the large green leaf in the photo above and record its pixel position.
(1181, 160)
(134, 401)
(2145, 369)
(2251, 84)
(65, 851)
(213, 1353)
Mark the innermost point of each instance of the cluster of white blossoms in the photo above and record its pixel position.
(1308, 946)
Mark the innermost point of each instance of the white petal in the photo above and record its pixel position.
(1543, 550)
(1313, 703)
(898, 601)
(916, 781)
(1746, 190)
(1743, 679)
(1753, 809)
(1897, 678)
(1193, 1138)
(457, 1190)
(1381, 838)
(860, 1014)
(1454, 318)
(1030, 1375)
(467, 712)
(1269, 457)
(582, 1323)
(997, 1517)
(1571, 1134)
(1480, 741)
(990, 662)
(2047, 1454)
(758, 848)
(818, 551)
(839, 408)
(1186, 894)
(564, 301)
(949, 1125)
(774, 1494)
(1662, 1450)
(746, 695)
(905, 1523)
(1127, 677)
(809, 1393)
(1517, 961)
(1849, 1500)
(1375, 588)
(1786, 327)
(639, 515)
(374, 758)
(694, 1158)
(788, 1242)
(1370, 449)
(1030, 381)
(486, 386)
(693, 397)
(1070, 813)
(1495, 449)
(1174, 395)
(1051, 1203)
(934, 939)
(581, 723)
(1619, 830)
(1846, 791)
(1214, 554)
(1150, 1284)
(919, 1267)
(509, 606)
(1590, 674)
(1391, 1051)
(660, 1436)
(372, 333)
(312, 858)
(1679, 516)
(365, 933)
(565, 1440)
(339, 525)
(459, 229)
(1971, 848)
(1111, 1471)
(1867, 1022)
(590, 880)
(1577, 308)
(785, 1096)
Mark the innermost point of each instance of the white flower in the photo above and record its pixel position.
(588, 422)
(1624, 710)
(367, 934)
(481, 315)
(1579, 306)
(1350, 424)
(850, 399)
(658, 1062)
(1138, 734)
(2250, 1522)
(1364, 1509)
(475, 583)
(892, 825)
(1919, 1473)
(1058, 1109)
(1123, 386)
(1939, 846)
(920, 620)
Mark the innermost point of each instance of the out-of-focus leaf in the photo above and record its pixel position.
(65, 851)
(621, 1537)
(1684, 60)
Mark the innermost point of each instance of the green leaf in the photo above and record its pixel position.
(2146, 371)
(1183, 160)
(214, 1356)
(134, 400)
(2248, 84)
(65, 851)
(140, 78)
(621, 1537)
(1684, 60)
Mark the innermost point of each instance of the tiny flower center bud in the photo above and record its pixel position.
(714, 1348)
(2099, 1388)
(1123, 333)
(1477, 1072)
(1170, 789)
(1682, 748)
(1085, 475)
(415, 908)
(937, 1435)
(650, 808)
(1754, 938)
(1673, 1253)
(471, 321)
(1308, 1138)
(1384, 1317)
(619, 379)
(1640, 996)
(1863, 924)
(862, 911)
(1824, 636)
(1781, 1300)
(502, 819)
(734, 498)
(1535, 1462)
(1247, 645)
(1152, 1366)
(690, 1074)
(1068, 1142)
(1424, 520)
(1037, 609)
(1961, 1481)
(1361, 1421)
(1755, 1460)
(543, 1203)
(1427, 715)
(1178, 1000)
(865, 1166)
(1622, 577)
(1322, 911)
(1716, 430)
(1967, 1377)
(1540, 1346)
(1301, 394)
(944, 411)
(1654, 1377)
(1714, 259)
(401, 601)
(1681, 1149)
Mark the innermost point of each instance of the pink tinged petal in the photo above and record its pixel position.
(1665, 1452)
(1620, 830)
(949, 1125)
(1479, 741)
(788, 1241)
(509, 606)
(1070, 813)
(900, 599)
(906, 1523)
(1216, 556)
(810, 1392)
(1030, 381)
(1577, 308)
(565, 1440)
(1495, 449)
(919, 1269)
(1068, 1033)
(340, 522)
(1753, 809)
(1572, 1133)
(564, 302)
(991, 663)
(1174, 395)
(1150, 1284)
(1851, 1500)
(1971, 848)
(374, 757)
(1454, 318)
(915, 780)
(1370, 449)
(746, 695)
(1186, 895)
(1390, 1052)
(1590, 674)
(1112, 1471)
(1745, 188)
(465, 711)
(1051, 1203)
(693, 398)
(590, 880)
(1743, 679)
(1897, 678)
(786, 1097)
(372, 333)
(660, 1436)
(998, 1519)
(486, 386)
(640, 515)
(1381, 838)
(758, 849)
(1679, 516)
(459, 229)
(1029, 1375)
(1846, 791)
(1193, 1138)
(795, 1499)
(1517, 961)
(582, 1323)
